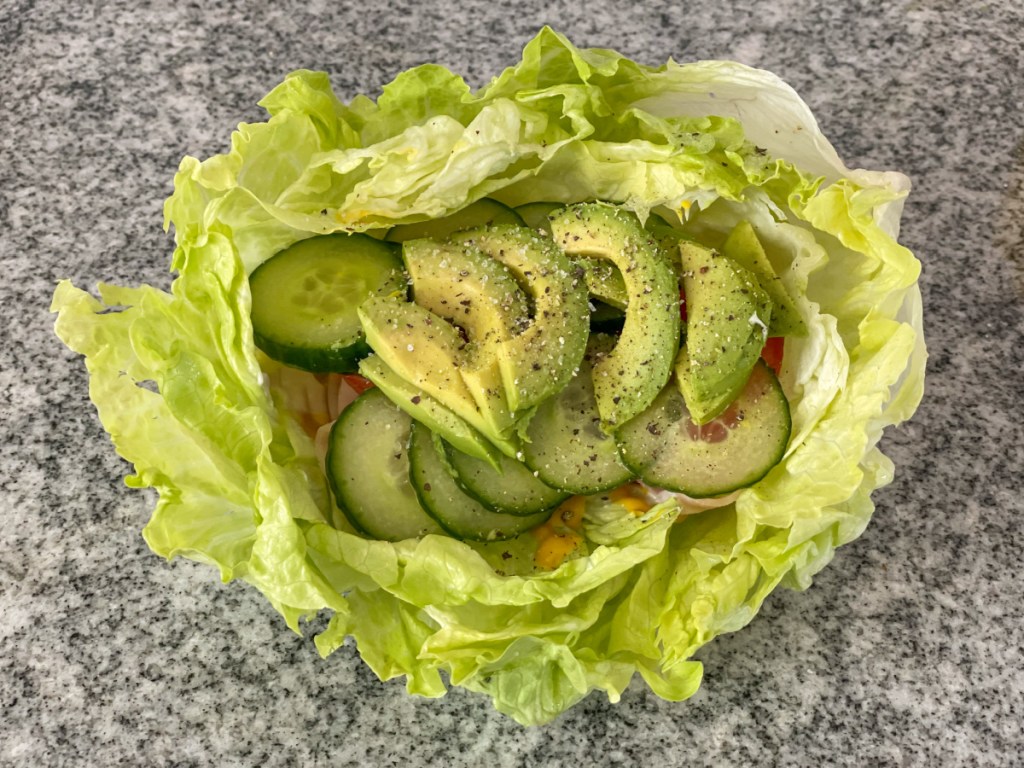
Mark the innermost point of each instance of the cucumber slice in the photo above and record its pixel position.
(512, 489)
(440, 495)
(667, 450)
(566, 446)
(304, 299)
(368, 470)
(479, 213)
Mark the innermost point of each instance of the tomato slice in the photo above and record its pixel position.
(771, 353)
(358, 383)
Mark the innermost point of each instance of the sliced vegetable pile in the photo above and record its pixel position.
(592, 298)
(510, 404)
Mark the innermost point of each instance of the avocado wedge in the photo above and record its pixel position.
(537, 362)
(629, 377)
(727, 320)
(744, 247)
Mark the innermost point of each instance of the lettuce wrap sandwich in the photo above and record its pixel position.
(266, 470)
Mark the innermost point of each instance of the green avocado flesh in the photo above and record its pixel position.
(468, 288)
(537, 362)
(629, 377)
(429, 353)
(744, 248)
(727, 318)
(423, 349)
(479, 295)
(429, 412)
(604, 281)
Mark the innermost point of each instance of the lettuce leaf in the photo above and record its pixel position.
(177, 380)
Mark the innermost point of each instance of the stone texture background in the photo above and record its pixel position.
(907, 650)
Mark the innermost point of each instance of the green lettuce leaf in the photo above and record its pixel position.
(178, 384)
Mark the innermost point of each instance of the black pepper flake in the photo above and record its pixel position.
(416, 399)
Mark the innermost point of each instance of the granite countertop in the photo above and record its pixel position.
(906, 650)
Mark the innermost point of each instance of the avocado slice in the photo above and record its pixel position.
(466, 287)
(537, 362)
(727, 319)
(417, 344)
(479, 295)
(629, 377)
(429, 354)
(481, 372)
(604, 281)
(428, 411)
(743, 246)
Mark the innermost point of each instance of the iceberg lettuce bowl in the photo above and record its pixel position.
(184, 394)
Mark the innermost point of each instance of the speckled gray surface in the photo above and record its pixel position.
(907, 650)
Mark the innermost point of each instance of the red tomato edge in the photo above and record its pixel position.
(358, 383)
(771, 353)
